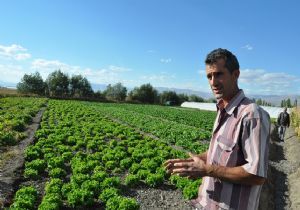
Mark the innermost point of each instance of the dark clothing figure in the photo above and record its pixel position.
(283, 121)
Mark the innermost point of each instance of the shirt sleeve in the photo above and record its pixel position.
(255, 145)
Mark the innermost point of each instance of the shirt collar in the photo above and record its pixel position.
(234, 102)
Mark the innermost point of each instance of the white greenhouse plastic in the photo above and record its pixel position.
(273, 111)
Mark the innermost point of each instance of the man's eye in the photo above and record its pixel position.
(208, 77)
(218, 74)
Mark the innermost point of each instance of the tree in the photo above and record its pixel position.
(211, 100)
(80, 87)
(169, 97)
(99, 95)
(145, 94)
(182, 98)
(195, 98)
(32, 83)
(58, 84)
(259, 101)
(282, 104)
(116, 92)
(288, 103)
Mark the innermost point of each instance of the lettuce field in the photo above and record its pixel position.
(89, 155)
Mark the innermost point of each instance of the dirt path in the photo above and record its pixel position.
(282, 190)
(12, 161)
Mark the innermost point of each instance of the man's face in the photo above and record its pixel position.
(221, 81)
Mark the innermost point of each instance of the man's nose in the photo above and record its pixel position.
(214, 81)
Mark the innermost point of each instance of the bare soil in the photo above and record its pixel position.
(282, 189)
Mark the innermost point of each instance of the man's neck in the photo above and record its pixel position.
(227, 100)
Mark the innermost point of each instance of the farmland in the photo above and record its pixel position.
(92, 155)
(15, 114)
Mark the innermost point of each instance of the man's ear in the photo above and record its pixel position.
(236, 74)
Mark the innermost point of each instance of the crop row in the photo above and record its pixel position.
(173, 133)
(15, 114)
(295, 119)
(89, 160)
(200, 119)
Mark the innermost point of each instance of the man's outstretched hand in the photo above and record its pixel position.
(193, 167)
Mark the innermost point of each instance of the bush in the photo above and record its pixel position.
(30, 173)
(25, 198)
(128, 204)
(67, 156)
(142, 174)
(51, 201)
(179, 182)
(80, 197)
(99, 176)
(154, 180)
(7, 138)
(78, 179)
(37, 164)
(56, 162)
(92, 186)
(32, 153)
(110, 165)
(111, 182)
(109, 193)
(54, 186)
(122, 203)
(134, 168)
(18, 125)
(190, 191)
(125, 163)
(132, 180)
(113, 203)
(57, 173)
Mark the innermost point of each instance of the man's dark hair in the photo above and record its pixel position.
(231, 62)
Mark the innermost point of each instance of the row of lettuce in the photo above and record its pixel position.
(296, 119)
(184, 128)
(90, 154)
(15, 114)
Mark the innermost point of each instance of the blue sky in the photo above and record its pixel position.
(162, 42)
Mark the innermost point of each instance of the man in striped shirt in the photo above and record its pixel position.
(235, 165)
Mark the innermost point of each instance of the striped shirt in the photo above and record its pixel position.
(240, 138)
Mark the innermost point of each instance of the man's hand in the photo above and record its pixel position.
(193, 167)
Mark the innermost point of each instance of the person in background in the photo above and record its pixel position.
(235, 165)
(283, 121)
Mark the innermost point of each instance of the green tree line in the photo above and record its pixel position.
(288, 103)
(60, 85)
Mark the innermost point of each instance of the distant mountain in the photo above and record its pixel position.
(8, 84)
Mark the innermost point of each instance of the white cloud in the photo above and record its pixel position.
(151, 51)
(202, 72)
(165, 60)
(119, 69)
(261, 81)
(111, 74)
(161, 77)
(248, 47)
(15, 52)
(11, 73)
